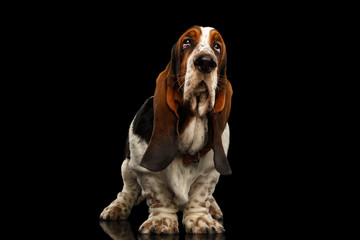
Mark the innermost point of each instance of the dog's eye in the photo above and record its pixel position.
(186, 44)
(217, 47)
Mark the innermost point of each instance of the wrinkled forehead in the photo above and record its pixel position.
(203, 35)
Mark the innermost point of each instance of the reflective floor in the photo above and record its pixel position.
(122, 230)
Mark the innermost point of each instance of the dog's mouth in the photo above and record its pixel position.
(201, 99)
(201, 89)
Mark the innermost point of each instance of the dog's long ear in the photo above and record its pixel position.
(219, 117)
(163, 144)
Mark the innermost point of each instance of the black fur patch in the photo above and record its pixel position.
(144, 120)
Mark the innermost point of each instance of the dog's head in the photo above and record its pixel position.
(199, 66)
(194, 81)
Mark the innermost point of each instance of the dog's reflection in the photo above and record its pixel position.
(118, 230)
(121, 230)
(204, 237)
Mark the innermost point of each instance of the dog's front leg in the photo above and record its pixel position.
(162, 218)
(197, 213)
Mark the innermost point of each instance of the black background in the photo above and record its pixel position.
(103, 66)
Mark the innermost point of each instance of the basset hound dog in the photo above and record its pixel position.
(178, 141)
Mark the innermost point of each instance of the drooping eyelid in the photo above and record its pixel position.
(219, 50)
(188, 45)
(217, 42)
(189, 38)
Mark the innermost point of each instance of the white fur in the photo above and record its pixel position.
(193, 139)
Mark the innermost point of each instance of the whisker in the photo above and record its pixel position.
(181, 85)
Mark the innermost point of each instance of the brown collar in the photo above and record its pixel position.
(187, 159)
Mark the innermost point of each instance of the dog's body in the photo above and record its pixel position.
(178, 141)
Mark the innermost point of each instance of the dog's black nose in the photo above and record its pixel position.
(205, 63)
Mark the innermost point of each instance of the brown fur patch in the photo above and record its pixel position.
(158, 205)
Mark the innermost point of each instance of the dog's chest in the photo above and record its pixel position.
(194, 136)
(180, 178)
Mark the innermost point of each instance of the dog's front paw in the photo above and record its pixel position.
(160, 223)
(115, 211)
(202, 223)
